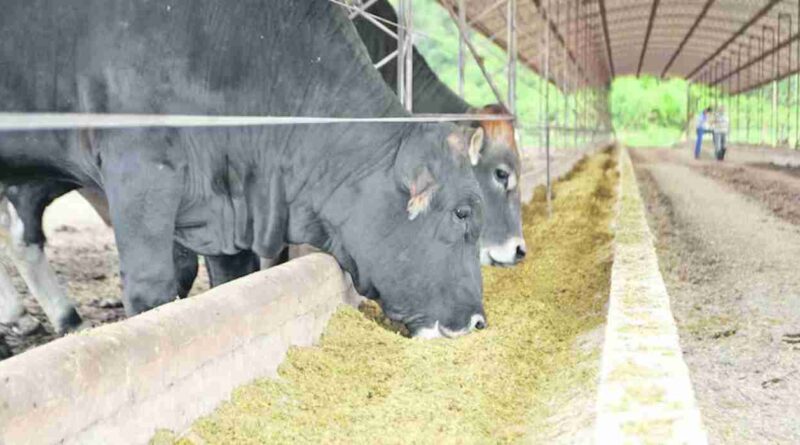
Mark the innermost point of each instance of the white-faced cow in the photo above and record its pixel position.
(397, 204)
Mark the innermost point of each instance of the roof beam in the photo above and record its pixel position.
(761, 13)
(608, 39)
(647, 36)
(688, 35)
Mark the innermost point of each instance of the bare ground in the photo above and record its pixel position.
(729, 247)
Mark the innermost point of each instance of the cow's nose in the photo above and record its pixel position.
(520, 254)
(477, 322)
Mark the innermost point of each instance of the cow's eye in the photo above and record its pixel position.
(463, 212)
(502, 176)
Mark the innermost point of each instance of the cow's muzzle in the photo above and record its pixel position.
(476, 322)
(504, 255)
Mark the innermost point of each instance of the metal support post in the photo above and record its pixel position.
(762, 130)
(739, 89)
(542, 86)
(565, 80)
(576, 81)
(511, 20)
(402, 51)
(784, 133)
(462, 19)
(544, 12)
(748, 104)
(773, 120)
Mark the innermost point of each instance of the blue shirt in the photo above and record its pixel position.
(701, 121)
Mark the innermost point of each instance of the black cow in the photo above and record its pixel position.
(396, 204)
(497, 165)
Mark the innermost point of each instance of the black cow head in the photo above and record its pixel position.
(410, 238)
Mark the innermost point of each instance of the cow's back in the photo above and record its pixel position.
(184, 56)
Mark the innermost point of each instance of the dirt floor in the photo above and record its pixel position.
(83, 253)
(729, 243)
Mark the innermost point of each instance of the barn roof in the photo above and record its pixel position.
(738, 43)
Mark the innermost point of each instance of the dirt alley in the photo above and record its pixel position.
(729, 244)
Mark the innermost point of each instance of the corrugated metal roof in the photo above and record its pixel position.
(704, 40)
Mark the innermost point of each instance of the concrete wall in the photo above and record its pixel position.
(644, 394)
(118, 383)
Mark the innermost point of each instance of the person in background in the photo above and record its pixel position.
(703, 125)
(721, 125)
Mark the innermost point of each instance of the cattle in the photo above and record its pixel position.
(497, 165)
(396, 204)
(497, 169)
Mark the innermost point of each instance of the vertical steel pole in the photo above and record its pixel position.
(782, 135)
(405, 88)
(401, 51)
(462, 18)
(729, 96)
(713, 84)
(576, 46)
(586, 79)
(565, 75)
(409, 44)
(559, 134)
(545, 11)
(689, 108)
(748, 97)
(542, 87)
(739, 90)
(511, 20)
(761, 88)
(712, 87)
(774, 117)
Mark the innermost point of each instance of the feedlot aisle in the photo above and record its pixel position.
(730, 266)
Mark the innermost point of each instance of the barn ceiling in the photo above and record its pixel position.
(739, 44)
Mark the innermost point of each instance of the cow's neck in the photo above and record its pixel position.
(431, 95)
(305, 190)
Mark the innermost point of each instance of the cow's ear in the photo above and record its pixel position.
(475, 146)
(468, 143)
(421, 190)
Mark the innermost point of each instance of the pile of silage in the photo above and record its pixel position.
(366, 384)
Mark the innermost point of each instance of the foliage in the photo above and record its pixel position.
(647, 111)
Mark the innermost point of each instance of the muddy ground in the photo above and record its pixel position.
(83, 253)
(729, 244)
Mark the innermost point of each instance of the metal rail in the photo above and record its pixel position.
(72, 121)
